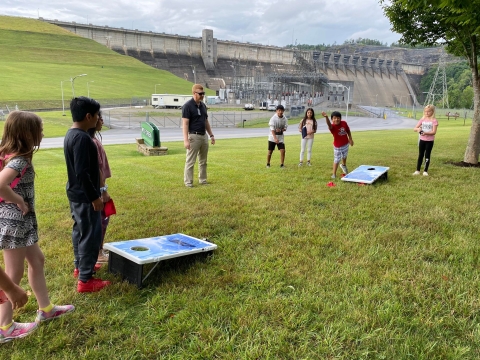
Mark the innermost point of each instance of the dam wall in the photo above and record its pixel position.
(136, 40)
(221, 63)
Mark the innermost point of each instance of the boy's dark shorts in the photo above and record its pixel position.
(271, 145)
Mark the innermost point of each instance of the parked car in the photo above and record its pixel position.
(262, 105)
(249, 107)
(272, 107)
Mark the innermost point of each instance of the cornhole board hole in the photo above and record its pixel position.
(127, 258)
(367, 174)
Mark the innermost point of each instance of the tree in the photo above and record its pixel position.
(455, 23)
(467, 96)
(364, 41)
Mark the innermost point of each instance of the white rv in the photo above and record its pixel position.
(169, 100)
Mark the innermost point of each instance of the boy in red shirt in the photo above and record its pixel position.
(342, 139)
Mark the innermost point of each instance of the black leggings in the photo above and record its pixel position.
(424, 148)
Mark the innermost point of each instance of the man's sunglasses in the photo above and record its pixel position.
(200, 93)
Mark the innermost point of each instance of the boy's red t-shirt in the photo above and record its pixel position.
(339, 132)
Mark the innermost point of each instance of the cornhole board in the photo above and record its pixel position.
(367, 174)
(128, 257)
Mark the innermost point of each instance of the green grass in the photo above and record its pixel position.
(302, 270)
(54, 123)
(440, 114)
(263, 122)
(37, 56)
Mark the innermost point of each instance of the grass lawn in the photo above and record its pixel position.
(54, 123)
(263, 122)
(302, 270)
(37, 56)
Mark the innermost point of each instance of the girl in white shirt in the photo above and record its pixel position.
(427, 128)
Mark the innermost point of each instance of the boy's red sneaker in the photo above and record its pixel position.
(92, 285)
(95, 268)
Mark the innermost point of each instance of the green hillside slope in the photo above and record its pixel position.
(36, 56)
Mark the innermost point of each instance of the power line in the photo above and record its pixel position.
(439, 84)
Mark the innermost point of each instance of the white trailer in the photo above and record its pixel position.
(212, 100)
(169, 100)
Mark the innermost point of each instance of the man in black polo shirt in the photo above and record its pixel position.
(195, 130)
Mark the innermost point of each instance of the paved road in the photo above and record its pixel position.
(127, 136)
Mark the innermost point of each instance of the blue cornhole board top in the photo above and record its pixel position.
(366, 174)
(155, 249)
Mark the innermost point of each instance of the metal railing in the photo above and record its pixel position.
(57, 105)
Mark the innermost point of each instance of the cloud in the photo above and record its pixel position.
(275, 22)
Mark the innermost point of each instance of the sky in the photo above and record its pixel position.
(268, 22)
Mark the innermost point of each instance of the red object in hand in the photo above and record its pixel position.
(109, 208)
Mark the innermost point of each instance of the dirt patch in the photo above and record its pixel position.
(463, 164)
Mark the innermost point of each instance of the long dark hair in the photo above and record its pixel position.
(304, 121)
(93, 132)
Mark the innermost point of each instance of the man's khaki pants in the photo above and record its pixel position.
(198, 146)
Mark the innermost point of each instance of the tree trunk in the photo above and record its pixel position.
(473, 146)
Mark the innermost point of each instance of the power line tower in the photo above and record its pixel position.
(439, 83)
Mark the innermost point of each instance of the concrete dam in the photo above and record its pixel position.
(255, 72)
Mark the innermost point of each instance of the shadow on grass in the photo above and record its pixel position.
(167, 268)
(462, 164)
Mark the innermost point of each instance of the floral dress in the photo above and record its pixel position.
(18, 230)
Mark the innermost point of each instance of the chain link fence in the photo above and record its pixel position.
(131, 118)
(130, 113)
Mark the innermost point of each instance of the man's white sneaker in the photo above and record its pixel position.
(425, 173)
(416, 173)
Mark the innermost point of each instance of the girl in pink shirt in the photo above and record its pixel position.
(308, 128)
(427, 128)
(105, 173)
